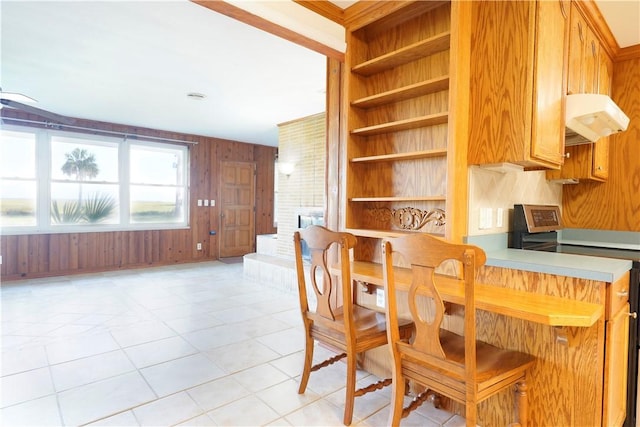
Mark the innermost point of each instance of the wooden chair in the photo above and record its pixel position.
(347, 327)
(459, 367)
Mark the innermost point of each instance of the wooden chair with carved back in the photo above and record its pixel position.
(343, 325)
(459, 367)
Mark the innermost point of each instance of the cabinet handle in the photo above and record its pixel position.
(599, 168)
(633, 315)
(567, 155)
(624, 293)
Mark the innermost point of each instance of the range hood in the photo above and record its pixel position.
(591, 116)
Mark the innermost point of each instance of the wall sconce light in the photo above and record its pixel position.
(286, 168)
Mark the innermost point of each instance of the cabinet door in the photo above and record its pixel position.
(605, 73)
(552, 25)
(601, 148)
(577, 41)
(615, 368)
(591, 62)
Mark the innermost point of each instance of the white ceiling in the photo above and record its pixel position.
(133, 62)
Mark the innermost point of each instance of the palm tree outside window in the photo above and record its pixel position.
(84, 183)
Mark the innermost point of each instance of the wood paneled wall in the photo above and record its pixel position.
(40, 255)
(615, 204)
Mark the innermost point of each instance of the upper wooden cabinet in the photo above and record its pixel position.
(584, 48)
(590, 71)
(518, 82)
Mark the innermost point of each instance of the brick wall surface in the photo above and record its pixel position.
(303, 143)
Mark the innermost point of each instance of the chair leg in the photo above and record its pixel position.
(522, 403)
(471, 414)
(398, 388)
(350, 389)
(308, 360)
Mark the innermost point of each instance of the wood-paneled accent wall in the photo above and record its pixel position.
(40, 255)
(615, 204)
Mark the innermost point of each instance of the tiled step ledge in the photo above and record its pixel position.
(272, 271)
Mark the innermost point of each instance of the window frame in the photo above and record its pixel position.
(43, 153)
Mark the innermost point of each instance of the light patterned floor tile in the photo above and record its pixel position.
(244, 412)
(90, 369)
(167, 411)
(180, 374)
(98, 400)
(190, 345)
(159, 351)
(37, 412)
(217, 393)
(25, 386)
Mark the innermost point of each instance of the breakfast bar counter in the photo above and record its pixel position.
(564, 317)
(548, 310)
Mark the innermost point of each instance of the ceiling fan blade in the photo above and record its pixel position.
(14, 96)
(33, 110)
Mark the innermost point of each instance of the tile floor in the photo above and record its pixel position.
(195, 344)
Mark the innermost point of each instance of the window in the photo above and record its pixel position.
(61, 182)
(18, 185)
(157, 178)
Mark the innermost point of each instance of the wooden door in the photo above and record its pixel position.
(237, 209)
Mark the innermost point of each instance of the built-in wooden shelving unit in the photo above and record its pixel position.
(425, 154)
(400, 125)
(402, 93)
(404, 55)
(398, 115)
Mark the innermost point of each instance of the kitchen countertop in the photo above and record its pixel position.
(580, 266)
(562, 264)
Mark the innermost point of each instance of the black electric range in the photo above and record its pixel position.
(534, 227)
(598, 251)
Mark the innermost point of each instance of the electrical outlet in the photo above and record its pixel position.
(380, 297)
(206, 202)
(199, 202)
(213, 203)
(199, 246)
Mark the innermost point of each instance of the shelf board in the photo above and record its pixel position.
(425, 154)
(406, 124)
(400, 199)
(404, 55)
(402, 93)
(381, 234)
